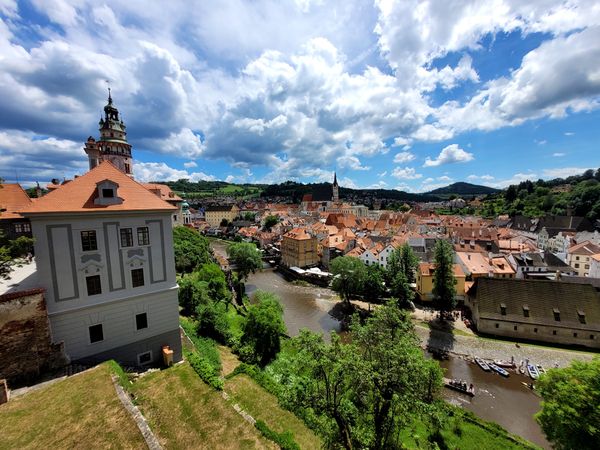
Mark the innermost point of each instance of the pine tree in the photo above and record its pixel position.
(444, 290)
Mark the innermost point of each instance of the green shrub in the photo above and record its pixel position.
(258, 375)
(212, 322)
(205, 370)
(205, 347)
(285, 440)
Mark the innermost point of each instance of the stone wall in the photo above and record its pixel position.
(26, 349)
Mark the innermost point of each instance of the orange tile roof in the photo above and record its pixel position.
(426, 269)
(163, 191)
(297, 234)
(78, 196)
(12, 199)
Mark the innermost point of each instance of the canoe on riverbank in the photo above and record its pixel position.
(460, 386)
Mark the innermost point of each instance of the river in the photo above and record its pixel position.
(505, 401)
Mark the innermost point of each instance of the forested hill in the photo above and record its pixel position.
(462, 188)
(578, 195)
(296, 191)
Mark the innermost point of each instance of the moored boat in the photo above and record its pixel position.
(541, 369)
(460, 386)
(481, 363)
(505, 364)
(533, 371)
(498, 369)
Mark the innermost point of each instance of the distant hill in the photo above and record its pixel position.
(462, 188)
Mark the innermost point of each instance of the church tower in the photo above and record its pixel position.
(336, 189)
(112, 145)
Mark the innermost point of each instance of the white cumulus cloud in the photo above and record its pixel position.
(449, 154)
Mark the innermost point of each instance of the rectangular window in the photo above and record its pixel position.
(556, 314)
(497, 325)
(141, 321)
(96, 333)
(126, 237)
(554, 332)
(88, 241)
(144, 358)
(94, 287)
(143, 236)
(576, 265)
(515, 328)
(502, 309)
(581, 316)
(574, 334)
(577, 258)
(108, 193)
(591, 336)
(587, 266)
(26, 227)
(535, 330)
(525, 310)
(137, 277)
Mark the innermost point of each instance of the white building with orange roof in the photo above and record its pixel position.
(104, 251)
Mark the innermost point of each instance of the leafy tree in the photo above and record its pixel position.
(224, 222)
(10, 251)
(247, 259)
(348, 276)
(363, 393)
(511, 193)
(190, 248)
(570, 414)
(218, 289)
(402, 259)
(263, 327)
(212, 322)
(270, 222)
(373, 283)
(397, 381)
(401, 290)
(444, 289)
(192, 293)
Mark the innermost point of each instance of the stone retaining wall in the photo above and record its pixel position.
(26, 349)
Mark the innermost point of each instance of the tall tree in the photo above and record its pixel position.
(570, 414)
(397, 381)
(247, 259)
(373, 285)
(403, 259)
(400, 272)
(263, 327)
(362, 394)
(348, 276)
(444, 283)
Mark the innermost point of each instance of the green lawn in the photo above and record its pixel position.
(82, 411)
(263, 406)
(184, 412)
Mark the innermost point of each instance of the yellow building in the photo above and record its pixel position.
(425, 281)
(214, 215)
(299, 249)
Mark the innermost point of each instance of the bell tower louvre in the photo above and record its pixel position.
(112, 145)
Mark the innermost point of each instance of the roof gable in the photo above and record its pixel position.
(79, 195)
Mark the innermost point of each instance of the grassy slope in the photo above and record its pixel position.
(184, 412)
(263, 406)
(81, 409)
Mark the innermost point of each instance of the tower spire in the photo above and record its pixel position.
(109, 97)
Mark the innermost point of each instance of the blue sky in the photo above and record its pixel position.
(408, 95)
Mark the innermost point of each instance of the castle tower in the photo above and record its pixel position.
(112, 145)
(336, 189)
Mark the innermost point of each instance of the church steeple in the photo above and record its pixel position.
(112, 145)
(335, 189)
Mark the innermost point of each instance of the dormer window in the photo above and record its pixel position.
(107, 193)
(556, 312)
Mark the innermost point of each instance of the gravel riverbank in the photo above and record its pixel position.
(470, 347)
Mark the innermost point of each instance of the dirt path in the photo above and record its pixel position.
(228, 360)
